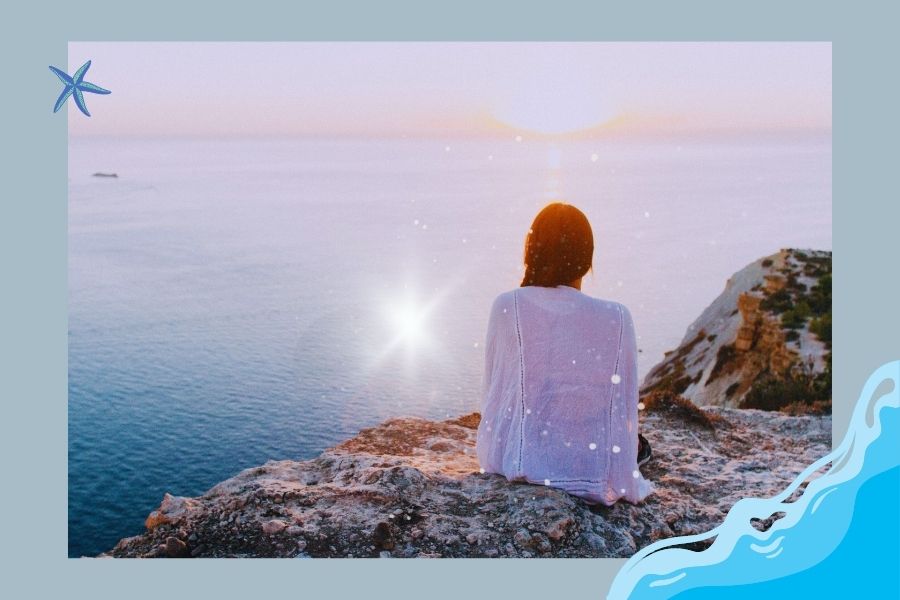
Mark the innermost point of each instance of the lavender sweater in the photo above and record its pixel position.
(560, 394)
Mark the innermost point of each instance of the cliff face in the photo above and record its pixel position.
(768, 333)
(412, 488)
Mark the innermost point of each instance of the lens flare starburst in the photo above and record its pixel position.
(407, 319)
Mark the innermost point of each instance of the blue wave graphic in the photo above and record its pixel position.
(827, 523)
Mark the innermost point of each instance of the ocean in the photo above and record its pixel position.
(233, 300)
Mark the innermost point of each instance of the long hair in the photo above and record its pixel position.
(559, 247)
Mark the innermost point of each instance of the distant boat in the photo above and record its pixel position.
(106, 175)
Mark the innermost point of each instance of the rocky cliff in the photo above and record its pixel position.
(412, 488)
(765, 342)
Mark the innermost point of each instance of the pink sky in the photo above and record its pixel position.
(468, 89)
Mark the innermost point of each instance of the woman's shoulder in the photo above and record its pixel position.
(504, 300)
(609, 305)
(605, 309)
(507, 300)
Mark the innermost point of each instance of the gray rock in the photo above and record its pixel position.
(457, 512)
(522, 538)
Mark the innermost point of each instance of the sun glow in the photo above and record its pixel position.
(550, 110)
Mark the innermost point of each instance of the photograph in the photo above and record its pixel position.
(442, 299)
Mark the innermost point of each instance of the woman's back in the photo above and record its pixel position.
(560, 394)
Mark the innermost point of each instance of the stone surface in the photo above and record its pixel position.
(274, 526)
(176, 548)
(388, 490)
(172, 509)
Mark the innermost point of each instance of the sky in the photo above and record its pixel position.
(447, 88)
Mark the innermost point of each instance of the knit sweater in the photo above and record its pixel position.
(560, 394)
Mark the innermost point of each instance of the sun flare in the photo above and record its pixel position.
(409, 326)
(408, 321)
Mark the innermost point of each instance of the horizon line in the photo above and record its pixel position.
(512, 134)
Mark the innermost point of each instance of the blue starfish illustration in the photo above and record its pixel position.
(75, 85)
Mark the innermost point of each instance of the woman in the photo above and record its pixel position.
(560, 388)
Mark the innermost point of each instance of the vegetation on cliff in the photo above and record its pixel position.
(800, 388)
(764, 343)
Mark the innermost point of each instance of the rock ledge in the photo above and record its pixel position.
(412, 488)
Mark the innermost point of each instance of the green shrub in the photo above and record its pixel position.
(796, 388)
(820, 296)
(777, 302)
(792, 319)
(812, 270)
(821, 326)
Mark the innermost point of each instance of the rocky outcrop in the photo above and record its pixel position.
(412, 488)
(768, 325)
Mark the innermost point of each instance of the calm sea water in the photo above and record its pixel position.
(234, 301)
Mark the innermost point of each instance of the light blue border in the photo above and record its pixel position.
(33, 253)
